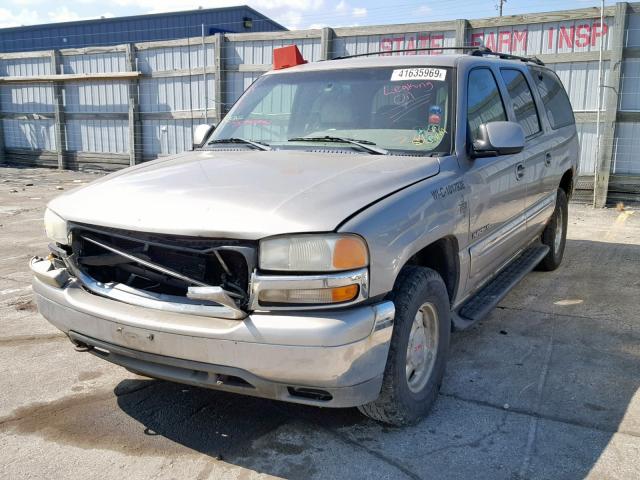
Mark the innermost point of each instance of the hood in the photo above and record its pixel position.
(242, 194)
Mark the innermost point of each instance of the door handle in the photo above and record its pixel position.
(519, 171)
(547, 159)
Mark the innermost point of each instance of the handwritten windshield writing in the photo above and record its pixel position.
(406, 87)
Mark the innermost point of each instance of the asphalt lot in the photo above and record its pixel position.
(547, 387)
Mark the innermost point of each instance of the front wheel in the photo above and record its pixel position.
(418, 350)
(555, 234)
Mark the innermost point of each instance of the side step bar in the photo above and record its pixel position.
(486, 299)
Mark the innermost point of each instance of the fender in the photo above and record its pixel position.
(399, 226)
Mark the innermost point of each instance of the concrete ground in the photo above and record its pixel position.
(546, 388)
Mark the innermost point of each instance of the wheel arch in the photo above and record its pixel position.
(442, 257)
(566, 182)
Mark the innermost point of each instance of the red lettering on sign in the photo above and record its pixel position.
(386, 45)
(423, 41)
(562, 37)
(583, 33)
(437, 40)
(397, 43)
(519, 38)
(490, 41)
(550, 38)
(598, 31)
(504, 40)
(477, 39)
(410, 45)
(565, 36)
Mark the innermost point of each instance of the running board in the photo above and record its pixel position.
(488, 297)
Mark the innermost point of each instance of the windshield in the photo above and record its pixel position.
(398, 109)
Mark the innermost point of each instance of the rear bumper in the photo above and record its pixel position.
(341, 354)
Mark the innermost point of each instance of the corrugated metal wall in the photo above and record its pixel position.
(626, 159)
(174, 95)
(29, 134)
(181, 57)
(96, 97)
(22, 67)
(627, 142)
(258, 52)
(26, 98)
(163, 91)
(583, 35)
(581, 81)
(587, 138)
(27, 131)
(354, 45)
(166, 137)
(98, 136)
(94, 62)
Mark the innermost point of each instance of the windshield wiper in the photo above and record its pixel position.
(258, 145)
(364, 144)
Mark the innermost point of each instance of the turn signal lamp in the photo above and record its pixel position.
(317, 296)
(286, 57)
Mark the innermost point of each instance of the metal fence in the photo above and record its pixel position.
(109, 107)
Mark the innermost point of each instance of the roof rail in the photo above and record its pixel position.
(481, 51)
(421, 49)
(475, 51)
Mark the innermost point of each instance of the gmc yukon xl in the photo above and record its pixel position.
(321, 243)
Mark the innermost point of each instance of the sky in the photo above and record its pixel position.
(293, 14)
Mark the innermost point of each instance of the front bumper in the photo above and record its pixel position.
(333, 358)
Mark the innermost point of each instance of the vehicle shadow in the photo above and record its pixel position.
(235, 428)
(540, 389)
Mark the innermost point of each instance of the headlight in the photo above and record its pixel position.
(55, 227)
(314, 253)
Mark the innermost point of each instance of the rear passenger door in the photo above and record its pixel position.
(538, 151)
(561, 127)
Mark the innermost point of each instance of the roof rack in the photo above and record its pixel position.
(421, 49)
(481, 51)
(474, 51)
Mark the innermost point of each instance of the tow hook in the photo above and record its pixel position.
(82, 347)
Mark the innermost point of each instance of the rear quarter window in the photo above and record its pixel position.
(554, 97)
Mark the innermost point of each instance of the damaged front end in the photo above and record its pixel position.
(174, 273)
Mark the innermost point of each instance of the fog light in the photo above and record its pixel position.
(310, 296)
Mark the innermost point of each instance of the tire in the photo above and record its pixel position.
(404, 400)
(554, 235)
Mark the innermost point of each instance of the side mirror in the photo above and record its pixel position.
(498, 138)
(201, 133)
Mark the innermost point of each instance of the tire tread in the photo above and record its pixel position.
(387, 408)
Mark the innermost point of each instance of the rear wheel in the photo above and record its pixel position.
(418, 350)
(555, 234)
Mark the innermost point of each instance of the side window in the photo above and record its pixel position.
(555, 99)
(484, 103)
(522, 98)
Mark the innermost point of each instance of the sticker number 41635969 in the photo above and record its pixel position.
(405, 74)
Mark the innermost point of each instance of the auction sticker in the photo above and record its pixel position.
(426, 73)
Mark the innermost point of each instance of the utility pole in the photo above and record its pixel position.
(600, 82)
(499, 6)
